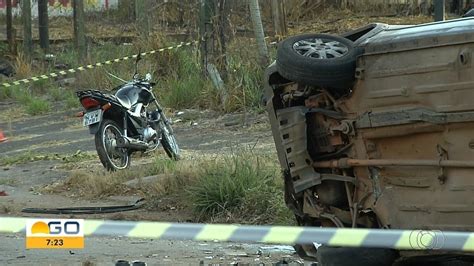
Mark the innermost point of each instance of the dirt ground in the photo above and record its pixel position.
(60, 134)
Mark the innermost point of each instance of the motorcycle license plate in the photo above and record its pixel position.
(92, 117)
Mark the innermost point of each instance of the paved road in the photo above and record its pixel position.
(106, 251)
(63, 133)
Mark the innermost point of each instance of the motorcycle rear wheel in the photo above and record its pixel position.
(169, 142)
(111, 157)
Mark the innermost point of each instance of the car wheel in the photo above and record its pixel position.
(321, 60)
(338, 256)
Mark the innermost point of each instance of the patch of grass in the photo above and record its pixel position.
(42, 86)
(23, 67)
(37, 106)
(64, 95)
(5, 209)
(243, 187)
(11, 114)
(8, 181)
(32, 156)
(22, 95)
(184, 86)
(6, 93)
(72, 101)
(28, 156)
(56, 94)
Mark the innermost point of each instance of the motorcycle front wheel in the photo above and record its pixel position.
(169, 142)
(111, 157)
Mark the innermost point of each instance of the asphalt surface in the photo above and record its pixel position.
(107, 251)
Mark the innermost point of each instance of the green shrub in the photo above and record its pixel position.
(37, 106)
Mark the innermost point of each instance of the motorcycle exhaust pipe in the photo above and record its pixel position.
(129, 143)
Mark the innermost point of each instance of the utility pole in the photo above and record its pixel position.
(43, 24)
(142, 17)
(79, 30)
(10, 33)
(279, 17)
(259, 33)
(439, 10)
(27, 39)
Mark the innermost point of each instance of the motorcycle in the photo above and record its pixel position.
(125, 122)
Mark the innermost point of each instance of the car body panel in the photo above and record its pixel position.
(411, 108)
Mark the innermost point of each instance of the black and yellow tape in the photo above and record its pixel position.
(92, 66)
(347, 237)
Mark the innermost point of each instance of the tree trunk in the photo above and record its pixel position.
(279, 17)
(10, 33)
(26, 17)
(439, 12)
(259, 33)
(129, 7)
(142, 17)
(223, 29)
(207, 11)
(43, 24)
(79, 30)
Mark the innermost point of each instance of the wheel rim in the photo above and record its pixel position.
(118, 157)
(171, 140)
(320, 48)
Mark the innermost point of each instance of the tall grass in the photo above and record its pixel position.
(181, 82)
(242, 186)
(186, 86)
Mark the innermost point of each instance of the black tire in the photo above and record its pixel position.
(170, 145)
(107, 153)
(336, 72)
(338, 256)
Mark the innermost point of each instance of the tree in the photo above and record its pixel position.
(10, 33)
(142, 17)
(279, 17)
(439, 6)
(43, 24)
(79, 29)
(27, 39)
(259, 33)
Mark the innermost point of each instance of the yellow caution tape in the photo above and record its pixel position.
(92, 66)
(342, 237)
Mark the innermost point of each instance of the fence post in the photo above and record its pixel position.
(439, 10)
(79, 30)
(27, 39)
(43, 24)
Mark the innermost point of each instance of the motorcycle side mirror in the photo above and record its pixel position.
(139, 57)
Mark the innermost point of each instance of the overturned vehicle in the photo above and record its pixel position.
(375, 129)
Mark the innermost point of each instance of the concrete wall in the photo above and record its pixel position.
(60, 7)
